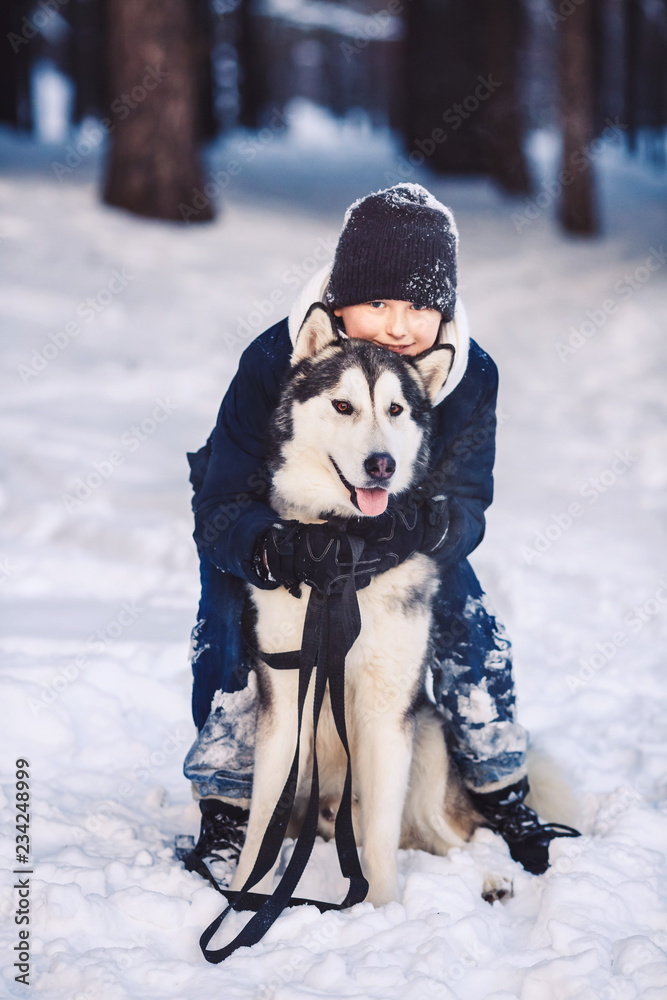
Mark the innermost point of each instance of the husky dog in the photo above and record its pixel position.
(346, 402)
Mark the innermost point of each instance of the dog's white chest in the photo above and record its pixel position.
(395, 600)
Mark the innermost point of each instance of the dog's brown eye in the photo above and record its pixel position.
(342, 405)
(395, 409)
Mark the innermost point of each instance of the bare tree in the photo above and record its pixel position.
(463, 108)
(153, 167)
(575, 68)
(16, 33)
(87, 57)
(253, 85)
(504, 23)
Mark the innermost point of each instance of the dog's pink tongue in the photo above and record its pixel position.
(372, 501)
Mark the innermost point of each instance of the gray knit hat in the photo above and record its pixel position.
(399, 243)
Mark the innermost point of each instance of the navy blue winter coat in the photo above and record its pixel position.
(231, 481)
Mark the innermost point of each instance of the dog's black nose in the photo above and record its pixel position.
(380, 466)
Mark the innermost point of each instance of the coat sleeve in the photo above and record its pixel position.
(230, 476)
(464, 474)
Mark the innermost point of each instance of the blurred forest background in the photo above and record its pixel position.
(462, 82)
(119, 334)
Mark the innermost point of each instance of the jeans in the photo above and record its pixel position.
(471, 673)
(473, 683)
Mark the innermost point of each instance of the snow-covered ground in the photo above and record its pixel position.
(119, 337)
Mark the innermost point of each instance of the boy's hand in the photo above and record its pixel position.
(291, 553)
(418, 523)
(317, 554)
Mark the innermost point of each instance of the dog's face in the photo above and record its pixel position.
(353, 423)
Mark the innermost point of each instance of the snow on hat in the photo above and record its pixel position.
(399, 243)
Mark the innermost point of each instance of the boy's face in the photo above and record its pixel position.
(399, 326)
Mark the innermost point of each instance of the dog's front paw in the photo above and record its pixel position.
(497, 887)
(381, 893)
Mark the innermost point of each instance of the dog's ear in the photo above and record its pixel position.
(318, 331)
(434, 366)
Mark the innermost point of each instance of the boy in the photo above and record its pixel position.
(393, 282)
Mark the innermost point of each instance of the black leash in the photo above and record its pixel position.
(331, 625)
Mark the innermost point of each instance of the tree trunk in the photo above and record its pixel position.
(577, 208)
(153, 167)
(253, 84)
(207, 122)
(504, 23)
(633, 17)
(441, 60)
(88, 58)
(16, 34)
(463, 110)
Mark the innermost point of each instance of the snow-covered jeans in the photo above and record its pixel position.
(471, 683)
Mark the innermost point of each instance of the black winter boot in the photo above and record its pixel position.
(222, 834)
(528, 839)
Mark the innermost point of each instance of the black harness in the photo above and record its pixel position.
(331, 625)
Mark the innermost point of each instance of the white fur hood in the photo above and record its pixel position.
(455, 332)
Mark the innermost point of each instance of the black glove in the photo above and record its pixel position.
(290, 553)
(416, 522)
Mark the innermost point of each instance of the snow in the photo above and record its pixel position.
(225, 748)
(478, 706)
(405, 195)
(99, 594)
(337, 17)
(52, 97)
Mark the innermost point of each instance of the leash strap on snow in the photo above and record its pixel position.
(330, 628)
